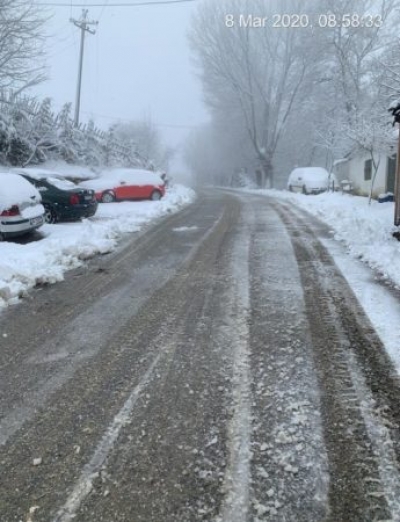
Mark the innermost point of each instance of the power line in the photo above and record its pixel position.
(127, 4)
(103, 7)
(57, 53)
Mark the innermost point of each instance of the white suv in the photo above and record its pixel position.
(20, 206)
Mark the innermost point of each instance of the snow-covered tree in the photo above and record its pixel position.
(353, 94)
(92, 147)
(30, 134)
(65, 132)
(43, 135)
(109, 147)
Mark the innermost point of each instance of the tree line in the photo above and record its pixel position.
(31, 132)
(294, 95)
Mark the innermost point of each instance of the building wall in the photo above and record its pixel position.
(356, 175)
(341, 170)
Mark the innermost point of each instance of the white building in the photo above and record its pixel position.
(358, 169)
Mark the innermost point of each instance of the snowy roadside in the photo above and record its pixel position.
(366, 233)
(366, 230)
(66, 245)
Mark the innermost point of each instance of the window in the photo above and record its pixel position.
(368, 170)
(391, 173)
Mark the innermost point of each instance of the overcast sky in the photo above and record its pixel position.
(137, 65)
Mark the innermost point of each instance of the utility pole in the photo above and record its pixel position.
(82, 24)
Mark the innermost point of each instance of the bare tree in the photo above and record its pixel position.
(21, 38)
(259, 72)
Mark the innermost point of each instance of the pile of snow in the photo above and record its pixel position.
(365, 229)
(15, 190)
(66, 246)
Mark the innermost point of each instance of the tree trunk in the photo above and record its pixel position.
(267, 173)
(375, 166)
(259, 178)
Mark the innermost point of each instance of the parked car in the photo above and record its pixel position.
(311, 180)
(62, 199)
(21, 210)
(127, 184)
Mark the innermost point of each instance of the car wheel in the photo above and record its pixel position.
(304, 190)
(156, 195)
(49, 215)
(107, 197)
(290, 188)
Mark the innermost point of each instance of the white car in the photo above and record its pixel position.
(21, 210)
(310, 180)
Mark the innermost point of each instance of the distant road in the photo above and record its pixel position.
(216, 368)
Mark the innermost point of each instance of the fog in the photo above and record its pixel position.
(137, 66)
(222, 89)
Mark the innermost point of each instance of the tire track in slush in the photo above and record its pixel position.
(355, 489)
(90, 472)
(179, 423)
(84, 485)
(236, 487)
(289, 462)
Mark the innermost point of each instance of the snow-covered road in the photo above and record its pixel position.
(220, 368)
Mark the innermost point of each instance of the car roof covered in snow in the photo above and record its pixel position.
(15, 190)
(55, 178)
(309, 173)
(110, 178)
(36, 173)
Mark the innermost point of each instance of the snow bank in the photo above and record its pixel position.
(66, 246)
(365, 229)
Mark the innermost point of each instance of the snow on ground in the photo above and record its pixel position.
(366, 233)
(366, 230)
(67, 245)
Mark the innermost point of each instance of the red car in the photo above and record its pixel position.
(127, 184)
